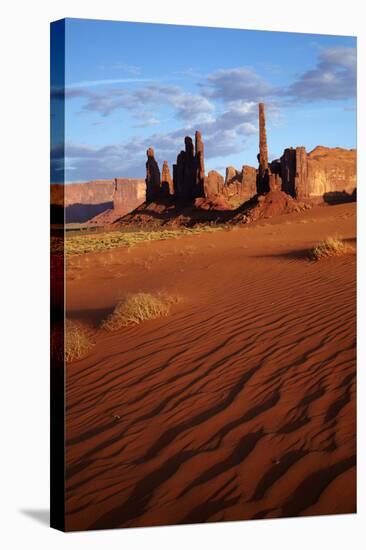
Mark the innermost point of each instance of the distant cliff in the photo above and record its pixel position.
(84, 201)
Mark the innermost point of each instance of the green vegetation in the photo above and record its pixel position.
(332, 246)
(77, 341)
(81, 244)
(136, 308)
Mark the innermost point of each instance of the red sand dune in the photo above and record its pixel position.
(240, 404)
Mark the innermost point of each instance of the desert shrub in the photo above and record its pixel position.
(332, 246)
(77, 341)
(136, 308)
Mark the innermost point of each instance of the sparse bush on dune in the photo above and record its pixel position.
(332, 246)
(77, 341)
(136, 308)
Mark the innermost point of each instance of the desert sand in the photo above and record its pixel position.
(238, 405)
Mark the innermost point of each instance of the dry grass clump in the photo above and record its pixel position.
(136, 308)
(332, 246)
(77, 341)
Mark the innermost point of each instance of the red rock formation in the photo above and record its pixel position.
(323, 173)
(153, 185)
(217, 203)
(128, 194)
(301, 174)
(274, 182)
(178, 176)
(248, 181)
(231, 175)
(273, 203)
(240, 185)
(214, 184)
(189, 170)
(200, 164)
(288, 171)
(167, 187)
(83, 201)
(332, 173)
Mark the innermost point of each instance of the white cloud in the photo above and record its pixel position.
(240, 83)
(333, 78)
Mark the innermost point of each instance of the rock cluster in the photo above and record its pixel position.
(189, 170)
(298, 174)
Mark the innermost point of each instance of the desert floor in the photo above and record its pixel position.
(238, 405)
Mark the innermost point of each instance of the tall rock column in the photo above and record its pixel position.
(263, 148)
(200, 165)
(178, 175)
(262, 181)
(167, 188)
(153, 187)
(189, 179)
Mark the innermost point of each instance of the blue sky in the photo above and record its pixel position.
(134, 85)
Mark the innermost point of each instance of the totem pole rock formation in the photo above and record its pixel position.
(167, 188)
(322, 172)
(153, 185)
(262, 181)
(263, 148)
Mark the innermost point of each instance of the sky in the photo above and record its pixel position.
(129, 86)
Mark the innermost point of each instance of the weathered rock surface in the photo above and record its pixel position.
(321, 174)
(217, 203)
(262, 177)
(248, 181)
(331, 171)
(189, 170)
(153, 182)
(273, 203)
(240, 185)
(214, 184)
(263, 148)
(232, 175)
(167, 187)
(199, 164)
(84, 201)
(128, 193)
